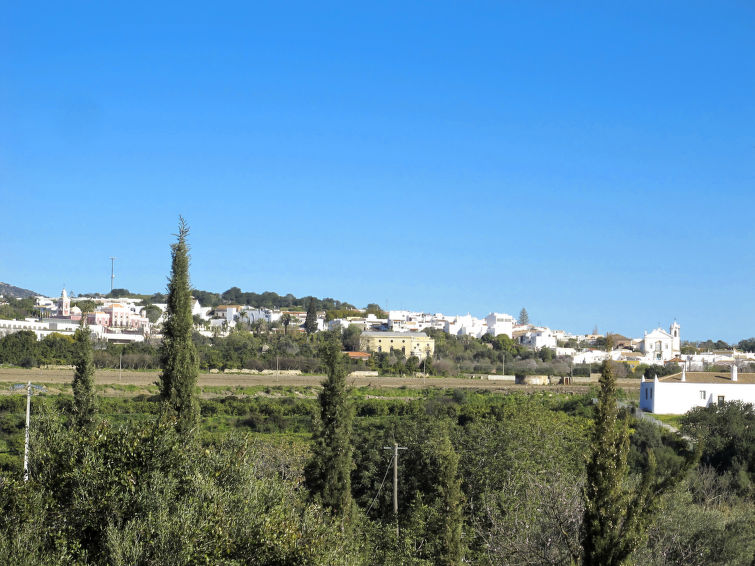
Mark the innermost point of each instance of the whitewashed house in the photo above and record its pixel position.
(590, 357)
(466, 325)
(677, 394)
(539, 338)
(499, 323)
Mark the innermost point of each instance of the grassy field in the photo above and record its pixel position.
(673, 420)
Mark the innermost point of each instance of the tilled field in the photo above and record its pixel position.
(144, 379)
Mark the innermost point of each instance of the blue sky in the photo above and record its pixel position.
(592, 162)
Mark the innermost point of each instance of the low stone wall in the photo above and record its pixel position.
(506, 378)
(258, 372)
(363, 374)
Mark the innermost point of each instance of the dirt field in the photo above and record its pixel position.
(144, 379)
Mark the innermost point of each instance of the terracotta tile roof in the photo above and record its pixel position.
(358, 355)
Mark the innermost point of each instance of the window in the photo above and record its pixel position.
(646, 394)
(703, 395)
(720, 399)
(651, 393)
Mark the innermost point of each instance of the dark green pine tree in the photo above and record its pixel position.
(328, 473)
(179, 358)
(310, 323)
(524, 317)
(84, 400)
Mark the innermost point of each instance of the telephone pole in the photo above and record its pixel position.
(28, 386)
(395, 449)
(112, 272)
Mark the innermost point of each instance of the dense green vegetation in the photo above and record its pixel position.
(291, 476)
(19, 309)
(519, 463)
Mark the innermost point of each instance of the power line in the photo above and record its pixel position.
(395, 449)
(381, 485)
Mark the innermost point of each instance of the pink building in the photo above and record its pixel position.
(98, 317)
(120, 316)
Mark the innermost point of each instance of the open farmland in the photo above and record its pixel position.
(145, 379)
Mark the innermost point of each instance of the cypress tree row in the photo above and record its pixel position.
(179, 358)
(84, 400)
(328, 473)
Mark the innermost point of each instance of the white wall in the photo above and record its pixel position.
(677, 398)
(500, 324)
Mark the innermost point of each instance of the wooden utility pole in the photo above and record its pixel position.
(395, 449)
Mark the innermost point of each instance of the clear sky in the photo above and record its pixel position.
(592, 162)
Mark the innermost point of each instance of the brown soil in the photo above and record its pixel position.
(144, 379)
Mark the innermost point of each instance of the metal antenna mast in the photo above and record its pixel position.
(112, 272)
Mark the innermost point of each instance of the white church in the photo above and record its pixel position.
(660, 345)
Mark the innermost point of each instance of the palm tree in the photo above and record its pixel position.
(286, 320)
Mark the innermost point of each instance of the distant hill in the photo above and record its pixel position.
(7, 290)
(235, 296)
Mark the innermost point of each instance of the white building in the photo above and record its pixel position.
(590, 357)
(466, 325)
(661, 346)
(538, 338)
(199, 310)
(677, 394)
(499, 323)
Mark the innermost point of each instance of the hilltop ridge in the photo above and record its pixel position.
(8, 290)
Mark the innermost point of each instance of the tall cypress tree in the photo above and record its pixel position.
(84, 400)
(328, 473)
(179, 358)
(616, 514)
(451, 500)
(310, 323)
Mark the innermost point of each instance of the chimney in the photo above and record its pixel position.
(684, 373)
(733, 372)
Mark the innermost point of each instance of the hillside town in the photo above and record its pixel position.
(683, 383)
(124, 320)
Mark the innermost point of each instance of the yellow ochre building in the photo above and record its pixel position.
(416, 344)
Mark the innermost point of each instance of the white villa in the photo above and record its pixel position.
(677, 394)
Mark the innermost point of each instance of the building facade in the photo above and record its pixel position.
(661, 346)
(677, 394)
(410, 344)
(499, 323)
